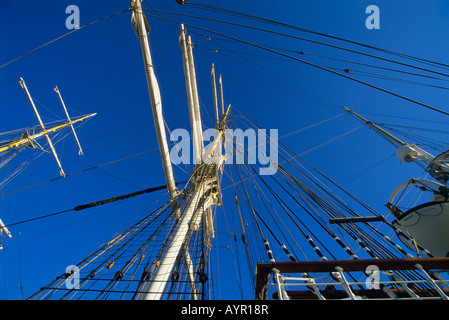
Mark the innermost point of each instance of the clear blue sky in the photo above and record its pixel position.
(99, 69)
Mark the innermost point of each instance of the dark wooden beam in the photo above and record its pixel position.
(356, 219)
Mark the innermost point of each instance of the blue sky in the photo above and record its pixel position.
(99, 69)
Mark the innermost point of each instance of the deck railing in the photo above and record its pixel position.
(409, 278)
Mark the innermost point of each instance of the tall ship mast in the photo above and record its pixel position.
(300, 234)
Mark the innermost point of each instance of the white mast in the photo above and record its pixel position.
(141, 28)
(214, 91)
(192, 96)
(80, 152)
(196, 101)
(203, 181)
(220, 80)
(155, 288)
(22, 83)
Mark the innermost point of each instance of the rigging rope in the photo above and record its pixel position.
(214, 8)
(315, 66)
(291, 36)
(62, 36)
(94, 204)
(81, 171)
(361, 233)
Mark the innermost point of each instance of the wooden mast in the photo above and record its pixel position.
(204, 181)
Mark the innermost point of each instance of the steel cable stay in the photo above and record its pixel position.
(378, 246)
(319, 67)
(238, 196)
(345, 69)
(120, 251)
(94, 204)
(348, 209)
(273, 192)
(304, 53)
(315, 248)
(273, 235)
(270, 254)
(260, 216)
(269, 74)
(359, 201)
(108, 248)
(358, 174)
(269, 207)
(285, 35)
(264, 220)
(363, 204)
(421, 140)
(256, 186)
(82, 171)
(111, 263)
(62, 36)
(295, 157)
(244, 238)
(235, 254)
(256, 237)
(321, 222)
(364, 64)
(214, 8)
(281, 229)
(384, 77)
(95, 271)
(342, 69)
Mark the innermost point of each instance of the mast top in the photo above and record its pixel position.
(437, 166)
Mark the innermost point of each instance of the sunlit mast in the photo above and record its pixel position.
(204, 181)
(406, 152)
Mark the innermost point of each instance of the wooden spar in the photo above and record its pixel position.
(154, 290)
(80, 152)
(214, 92)
(3, 228)
(204, 185)
(26, 140)
(22, 83)
(220, 81)
(192, 97)
(396, 141)
(196, 102)
(405, 152)
(141, 28)
(356, 219)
